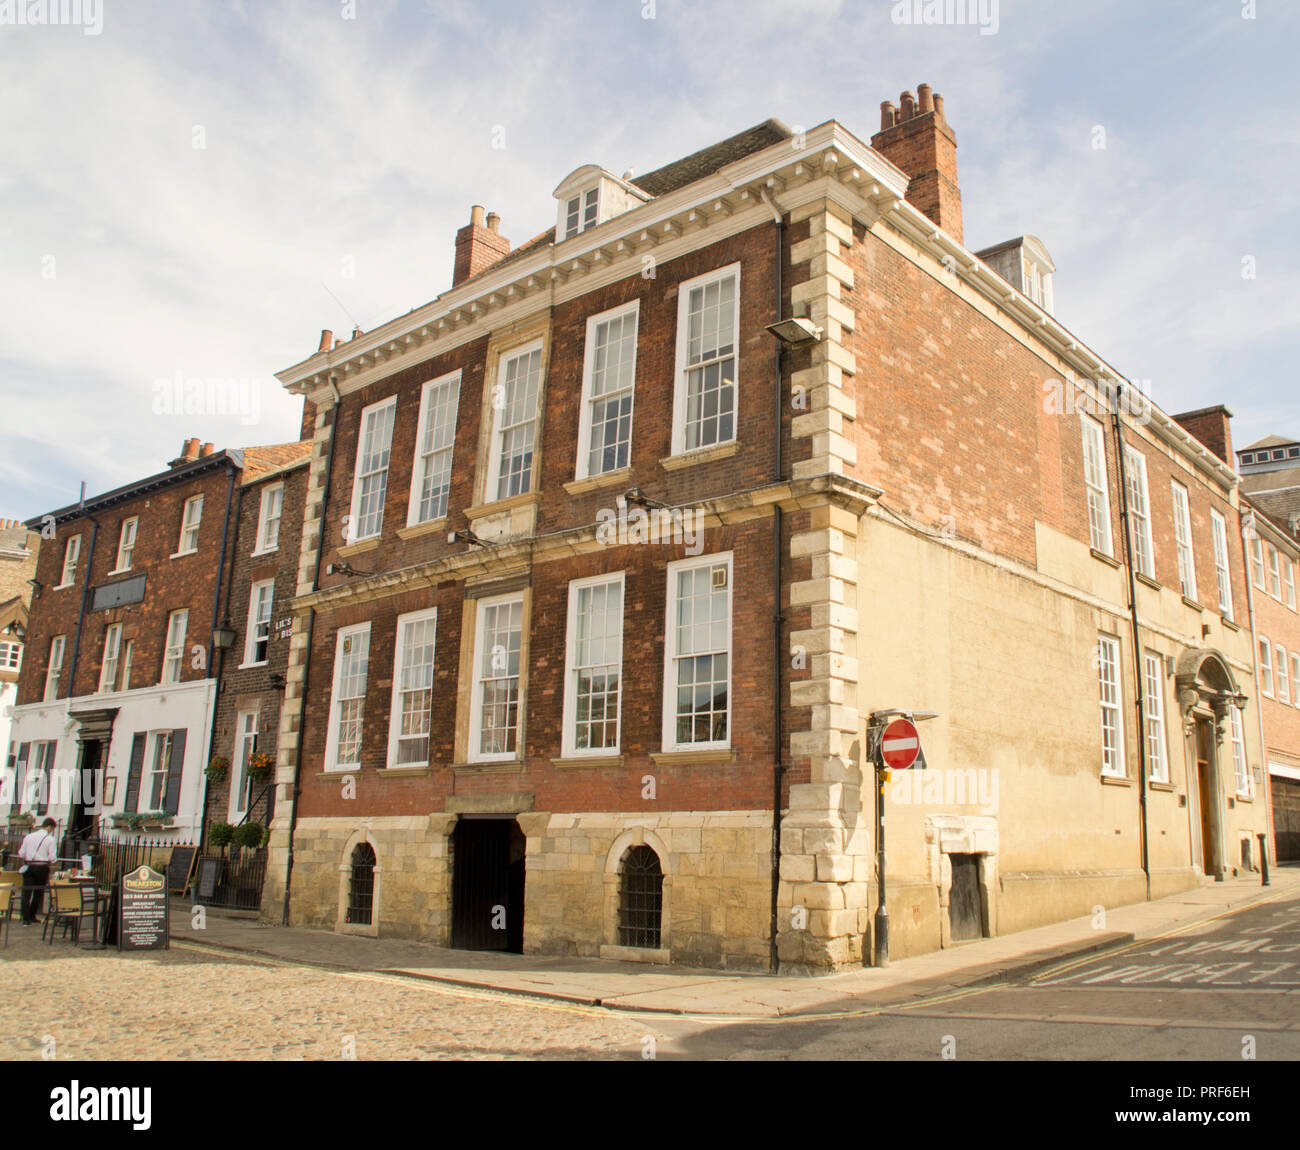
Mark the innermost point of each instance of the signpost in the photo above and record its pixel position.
(893, 745)
(143, 920)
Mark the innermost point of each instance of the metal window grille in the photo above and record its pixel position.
(361, 891)
(641, 896)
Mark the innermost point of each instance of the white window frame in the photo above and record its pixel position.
(682, 367)
(112, 655)
(1288, 581)
(491, 492)
(395, 711)
(578, 208)
(1264, 660)
(1280, 679)
(1295, 677)
(1153, 668)
(428, 457)
(573, 670)
(1274, 573)
(54, 669)
(358, 632)
(1139, 495)
(370, 415)
(1222, 571)
(71, 557)
(246, 736)
(189, 541)
(1257, 561)
(153, 777)
(1183, 540)
(125, 545)
(272, 493)
(174, 652)
(11, 655)
(257, 607)
(128, 653)
(476, 754)
(1097, 485)
(670, 743)
(40, 772)
(1242, 782)
(1110, 678)
(589, 401)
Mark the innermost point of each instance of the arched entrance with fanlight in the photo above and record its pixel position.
(1207, 695)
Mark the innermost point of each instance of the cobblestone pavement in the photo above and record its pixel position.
(192, 1003)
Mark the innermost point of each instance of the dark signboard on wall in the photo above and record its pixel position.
(142, 922)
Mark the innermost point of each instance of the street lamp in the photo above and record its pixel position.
(223, 637)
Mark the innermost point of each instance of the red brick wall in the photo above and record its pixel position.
(171, 584)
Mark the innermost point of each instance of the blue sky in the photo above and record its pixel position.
(339, 155)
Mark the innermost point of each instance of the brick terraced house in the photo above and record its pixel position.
(603, 576)
(117, 691)
(1270, 483)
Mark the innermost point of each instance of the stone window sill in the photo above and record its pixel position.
(1193, 604)
(715, 755)
(1158, 786)
(1116, 781)
(402, 772)
(1229, 623)
(595, 482)
(1109, 560)
(360, 548)
(428, 527)
(1148, 581)
(494, 766)
(589, 761)
(482, 510)
(700, 455)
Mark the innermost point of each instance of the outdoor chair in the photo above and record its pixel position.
(11, 878)
(10, 899)
(65, 908)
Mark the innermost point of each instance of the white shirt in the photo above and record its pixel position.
(38, 848)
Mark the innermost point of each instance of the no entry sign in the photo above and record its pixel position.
(899, 744)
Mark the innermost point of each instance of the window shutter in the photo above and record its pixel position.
(130, 803)
(20, 775)
(174, 769)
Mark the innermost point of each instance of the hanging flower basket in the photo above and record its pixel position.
(218, 768)
(260, 766)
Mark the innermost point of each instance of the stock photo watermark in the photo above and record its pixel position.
(88, 15)
(982, 14)
(182, 395)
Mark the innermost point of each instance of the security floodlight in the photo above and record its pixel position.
(796, 331)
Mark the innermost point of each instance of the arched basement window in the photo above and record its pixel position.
(640, 898)
(361, 890)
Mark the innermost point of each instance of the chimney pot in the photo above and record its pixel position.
(927, 152)
(356, 331)
(886, 114)
(925, 97)
(479, 245)
(907, 106)
(205, 451)
(938, 106)
(476, 215)
(326, 340)
(492, 221)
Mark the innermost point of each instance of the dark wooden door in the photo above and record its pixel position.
(965, 907)
(1205, 794)
(487, 908)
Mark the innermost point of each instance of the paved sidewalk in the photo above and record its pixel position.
(683, 990)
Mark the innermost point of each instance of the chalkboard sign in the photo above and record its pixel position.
(143, 912)
(181, 869)
(209, 874)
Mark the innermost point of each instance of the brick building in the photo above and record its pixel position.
(1270, 481)
(591, 456)
(267, 539)
(18, 550)
(117, 691)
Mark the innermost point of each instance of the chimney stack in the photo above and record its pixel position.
(479, 245)
(205, 451)
(189, 453)
(326, 340)
(917, 139)
(1211, 426)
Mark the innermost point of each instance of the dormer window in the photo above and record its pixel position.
(583, 212)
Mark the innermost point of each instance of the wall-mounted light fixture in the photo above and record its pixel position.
(796, 331)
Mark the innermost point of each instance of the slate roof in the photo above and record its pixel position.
(708, 160)
(1268, 441)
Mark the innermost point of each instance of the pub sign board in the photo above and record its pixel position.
(143, 922)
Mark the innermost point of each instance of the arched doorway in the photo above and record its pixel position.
(1207, 693)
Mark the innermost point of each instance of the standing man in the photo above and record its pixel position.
(37, 852)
